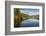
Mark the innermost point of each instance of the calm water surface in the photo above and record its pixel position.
(30, 23)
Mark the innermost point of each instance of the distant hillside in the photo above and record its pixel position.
(29, 17)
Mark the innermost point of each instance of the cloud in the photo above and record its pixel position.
(29, 12)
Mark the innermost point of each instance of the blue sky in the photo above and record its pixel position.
(29, 11)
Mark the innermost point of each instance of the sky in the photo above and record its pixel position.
(29, 11)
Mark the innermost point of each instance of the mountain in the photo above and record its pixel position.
(29, 16)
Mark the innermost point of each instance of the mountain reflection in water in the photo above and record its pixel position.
(30, 23)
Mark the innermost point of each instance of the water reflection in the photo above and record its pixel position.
(30, 23)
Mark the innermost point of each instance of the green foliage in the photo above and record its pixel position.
(16, 11)
(17, 17)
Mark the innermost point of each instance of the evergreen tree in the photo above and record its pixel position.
(16, 11)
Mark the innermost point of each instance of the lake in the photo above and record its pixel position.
(30, 23)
